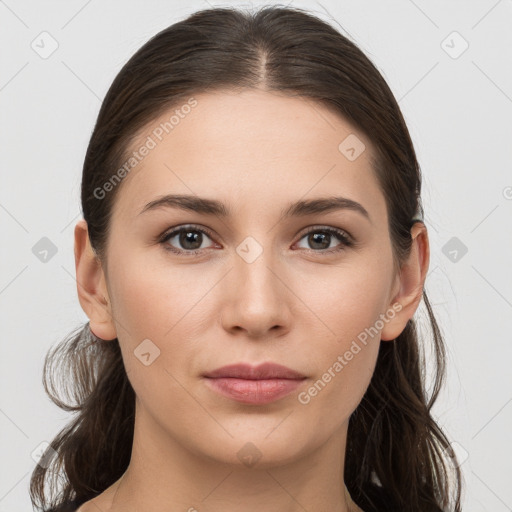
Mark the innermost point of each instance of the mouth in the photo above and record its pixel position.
(255, 385)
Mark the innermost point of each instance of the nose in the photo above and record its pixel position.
(258, 299)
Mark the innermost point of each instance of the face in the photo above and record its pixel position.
(313, 290)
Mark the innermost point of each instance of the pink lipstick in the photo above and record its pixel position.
(255, 385)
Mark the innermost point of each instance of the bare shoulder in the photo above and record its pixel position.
(101, 502)
(93, 505)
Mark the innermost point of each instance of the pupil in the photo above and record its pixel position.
(189, 236)
(315, 238)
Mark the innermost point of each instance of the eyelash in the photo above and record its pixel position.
(343, 237)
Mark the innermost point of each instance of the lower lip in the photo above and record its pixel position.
(255, 392)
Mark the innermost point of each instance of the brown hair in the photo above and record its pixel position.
(397, 455)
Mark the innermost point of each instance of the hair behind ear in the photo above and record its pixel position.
(86, 375)
(393, 428)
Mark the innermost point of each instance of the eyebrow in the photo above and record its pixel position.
(213, 207)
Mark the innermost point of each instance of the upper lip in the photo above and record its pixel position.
(250, 372)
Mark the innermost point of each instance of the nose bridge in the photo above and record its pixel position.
(258, 300)
(254, 267)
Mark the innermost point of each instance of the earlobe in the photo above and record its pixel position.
(410, 283)
(91, 286)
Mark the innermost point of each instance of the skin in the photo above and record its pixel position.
(256, 152)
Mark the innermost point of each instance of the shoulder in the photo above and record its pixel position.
(68, 506)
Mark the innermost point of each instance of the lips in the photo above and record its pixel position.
(263, 371)
(254, 385)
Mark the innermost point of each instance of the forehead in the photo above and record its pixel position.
(251, 147)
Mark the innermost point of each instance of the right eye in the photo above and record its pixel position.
(189, 237)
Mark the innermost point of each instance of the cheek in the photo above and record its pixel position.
(336, 393)
(349, 302)
(160, 312)
(350, 297)
(343, 365)
(154, 299)
(154, 312)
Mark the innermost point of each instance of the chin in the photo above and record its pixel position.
(263, 449)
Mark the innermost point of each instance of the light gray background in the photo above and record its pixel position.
(458, 109)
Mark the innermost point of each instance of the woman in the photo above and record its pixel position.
(250, 260)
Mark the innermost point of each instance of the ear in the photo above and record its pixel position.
(91, 285)
(410, 283)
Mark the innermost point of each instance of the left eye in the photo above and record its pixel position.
(321, 235)
(191, 239)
